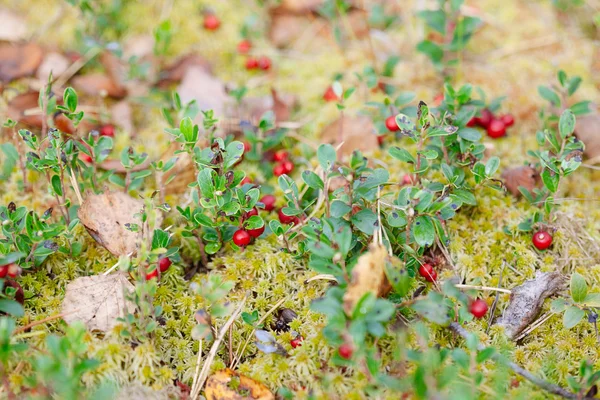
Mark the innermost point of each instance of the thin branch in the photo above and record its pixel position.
(547, 386)
(493, 289)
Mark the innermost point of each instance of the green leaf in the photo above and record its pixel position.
(592, 300)
(405, 123)
(435, 19)
(205, 181)
(402, 155)
(579, 288)
(423, 231)
(70, 99)
(581, 108)
(549, 95)
(11, 307)
(399, 278)
(432, 50)
(339, 209)
(566, 124)
(550, 180)
(326, 156)
(469, 134)
(56, 185)
(572, 317)
(492, 166)
(365, 221)
(312, 180)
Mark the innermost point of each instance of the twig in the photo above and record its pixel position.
(213, 350)
(490, 288)
(76, 66)
(325, 277)
(535, 325)
(76, 187)
(547, 386)
(42, 321)
(196, 373)
(496, 298)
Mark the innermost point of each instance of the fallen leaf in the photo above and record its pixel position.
(139, 46)
(22, 102)
(253, 108)
(176, 71)
(19, 60)
(64, 124)
(54, 63)
(208, 91)
(587, 129)
(524, 176)
(301, 6)
(13, 27)
(98, 84)
(368, 276)
(230, 385)
(358, 133)
(97, 300)
(526, 301)
(105, 217)
(286, 28)
(121, 116)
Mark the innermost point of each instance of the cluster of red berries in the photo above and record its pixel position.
(262, 62)
(494, 125)
(211, 22)
(283, 164)
(11, 270)
(242, 237)
(163, 265)
(426, 271)
(542, 240)
(269, 202)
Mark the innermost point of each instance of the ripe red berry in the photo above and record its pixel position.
(164, 264)
(478, 308)
(244, 46)
(153, 274)
(3, 271)
(286, 219)
(542, 240)
(247, 147)
(256, 232)
(241, 238)
(245, 181)
(269, 202)
(437, 100)
(426, 271)
(407, 179)
(251, 213)
(278, 170)
(264, 63)
(251, 63)
(391, 125)
(297, 341)
(211, 22)
(496, 129)
(280, 155)
(485, 119)
(330, 95)
(508, 120)
(380, 139)
(85, 157)
(346, 351)
(288, 166)
(107, 130)
(13, 270)
(472, 122)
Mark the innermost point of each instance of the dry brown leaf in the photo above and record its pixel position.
(524, 176)
(253, 108)
(19, 60)
(122, 116)
(97, 300)
(54, 63)
(13, 27)
(286, 28)
(230, 385)
(358, 134)
(139, 46)
(368, 276)
(64, 124)
(301, 6)
(208, 91)
(526, 301)
(176, 71)
(105, 217)
(98, 84)
(587, 129)
(22, 102)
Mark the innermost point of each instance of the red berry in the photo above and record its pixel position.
(346, 351)
(3, 271)
(280, 155)
(297, 341)
(13, 270)
(247, 147)
(496, 129)
(330, 95)
(437, 100)
(542, 240)
(245, 181)
(287, 219)
(251, 213)
(407, 179)
(256, 232)
(380, 139)
(355, 208)
(278, 170)
(472, 122)
(241, 238)
(508, 120)
(426, 271)
(264, 63)
(153, 274)
(391, 125)
(107, 130)
(485, 119)
(288, 166)
(164, 264)
(244, 46)
(211, 22)
(251, 63)
(478, 308)
(269, 202)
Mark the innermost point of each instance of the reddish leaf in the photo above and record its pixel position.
(19, 60)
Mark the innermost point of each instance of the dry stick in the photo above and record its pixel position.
(535, 325)
(549, 387)
(324, 277)
(198, 361)
(496, 299)
(493, 289)
(213, 350)
(76, 66)
(42, 321)
(238, 353)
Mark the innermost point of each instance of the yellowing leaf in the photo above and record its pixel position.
(230, 385)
